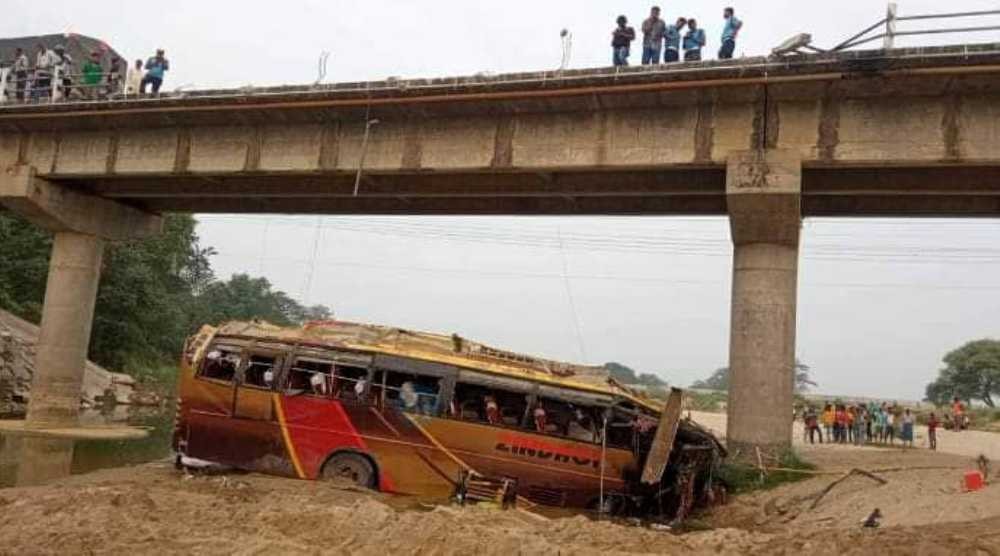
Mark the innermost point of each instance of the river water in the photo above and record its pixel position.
(91, 455)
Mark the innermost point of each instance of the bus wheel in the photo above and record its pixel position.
(350, 467)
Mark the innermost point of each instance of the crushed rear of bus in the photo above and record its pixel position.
(437, 416)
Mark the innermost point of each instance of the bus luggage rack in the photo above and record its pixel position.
(478, 488)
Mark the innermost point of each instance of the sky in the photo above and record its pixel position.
(880, 301)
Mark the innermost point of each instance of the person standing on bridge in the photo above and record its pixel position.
(133, 80)
(730, 29)
(93, 74)
(621, 41)
(652, 37)
(64, 69)
(20, 73)
(672, 41)
(694, 41)
(45, 61)
(155, 68)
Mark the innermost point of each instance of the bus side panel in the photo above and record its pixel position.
(206, 408)
(317, 427)
(407, 461)
(416, 462)
(213, 433)
(559, 471)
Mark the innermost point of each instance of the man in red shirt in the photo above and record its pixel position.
(932, 425)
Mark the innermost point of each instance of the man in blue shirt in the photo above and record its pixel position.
(673, 41)
(694, 40)
(729, 31)
(155, 68)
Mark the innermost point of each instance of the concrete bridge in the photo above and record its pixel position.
(764, 141)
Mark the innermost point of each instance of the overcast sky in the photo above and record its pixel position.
(880, 301)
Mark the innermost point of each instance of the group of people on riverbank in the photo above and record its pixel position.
(659, 37)
(871, 423)
(54, 72)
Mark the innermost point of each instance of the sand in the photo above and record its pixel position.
(153, 509)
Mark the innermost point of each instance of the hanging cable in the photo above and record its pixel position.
(307, 289)
(569, 296)
(369, 122)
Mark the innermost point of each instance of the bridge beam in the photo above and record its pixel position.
(763, 194)
(81, 224)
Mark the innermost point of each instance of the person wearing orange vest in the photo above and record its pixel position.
(827, 418)
(957, 415)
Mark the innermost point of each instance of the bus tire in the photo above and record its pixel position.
(350, 466)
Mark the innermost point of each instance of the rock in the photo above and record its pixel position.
(17, 367)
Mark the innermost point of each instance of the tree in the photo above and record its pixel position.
(971, 372)
(146, 293)
(153, 292)
(24, 254)
(719, 379)
(243, 297)
(627, 375)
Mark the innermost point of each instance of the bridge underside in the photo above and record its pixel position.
(938, 191)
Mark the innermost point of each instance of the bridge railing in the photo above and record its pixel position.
(892, 19)
(55, 85)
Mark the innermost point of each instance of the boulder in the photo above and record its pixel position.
(17, 367)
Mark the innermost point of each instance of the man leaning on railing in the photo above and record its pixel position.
(20, 73)
(93, 74)
(45, 61)
(63, 71)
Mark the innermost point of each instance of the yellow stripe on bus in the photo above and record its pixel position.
(288, 438)
(440, 446)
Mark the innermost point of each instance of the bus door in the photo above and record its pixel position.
(253, 396)
(208, 401)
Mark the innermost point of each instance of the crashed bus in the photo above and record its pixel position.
(429, 415)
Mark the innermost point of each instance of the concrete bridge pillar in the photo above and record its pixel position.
(763, 190)
(61, 352)
(81, 224)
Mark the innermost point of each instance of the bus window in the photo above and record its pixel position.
(221, 363)
(350, 383)
(621, 429)
(412, 393)
(574, 421)
(260, 371)
(473, 402)
(310, 375)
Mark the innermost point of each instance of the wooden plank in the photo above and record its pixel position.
(666, 431)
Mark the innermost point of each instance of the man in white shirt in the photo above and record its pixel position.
(45, 62)
(133, 79)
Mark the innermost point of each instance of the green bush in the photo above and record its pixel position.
(706, 401)
(742, 477)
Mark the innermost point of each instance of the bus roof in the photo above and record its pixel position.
(451, 350)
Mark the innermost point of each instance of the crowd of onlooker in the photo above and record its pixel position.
(54, 75)
(660, 37)
(875, 423)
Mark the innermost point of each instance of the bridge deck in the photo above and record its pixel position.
(900, 132)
